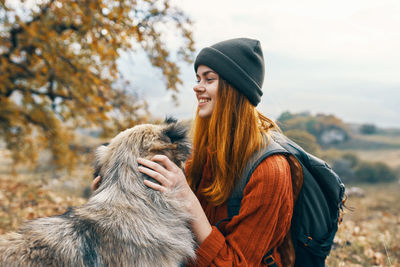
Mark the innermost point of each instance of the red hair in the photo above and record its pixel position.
(232, 133)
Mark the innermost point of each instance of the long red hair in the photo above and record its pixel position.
(232, 133)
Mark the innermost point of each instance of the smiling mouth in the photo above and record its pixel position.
(203, 100)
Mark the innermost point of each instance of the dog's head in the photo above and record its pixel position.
(145, 141)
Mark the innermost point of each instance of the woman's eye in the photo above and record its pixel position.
(206, 80)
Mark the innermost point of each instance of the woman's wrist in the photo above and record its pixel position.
(202, 228)
(200, 224)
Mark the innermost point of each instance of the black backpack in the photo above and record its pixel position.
(317, 209)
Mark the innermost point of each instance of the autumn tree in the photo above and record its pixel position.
(58, 68)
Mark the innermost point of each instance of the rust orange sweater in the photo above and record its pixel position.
(262, 223)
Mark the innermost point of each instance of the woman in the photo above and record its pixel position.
(227, 131)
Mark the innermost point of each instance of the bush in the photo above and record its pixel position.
(376, 172)
(353, 170)
(368, 129)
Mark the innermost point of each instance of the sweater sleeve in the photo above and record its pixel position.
(262, 223)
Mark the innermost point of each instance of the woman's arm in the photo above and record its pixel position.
(171, 177)
(262, 223)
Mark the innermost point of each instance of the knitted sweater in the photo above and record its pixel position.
(262, 223)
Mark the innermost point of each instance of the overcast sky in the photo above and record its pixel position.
(337, 57)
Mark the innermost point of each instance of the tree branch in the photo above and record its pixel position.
(15, 31)
(49, 94)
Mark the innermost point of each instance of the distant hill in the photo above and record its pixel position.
(332, 132)
(356, 128)
(379, 138)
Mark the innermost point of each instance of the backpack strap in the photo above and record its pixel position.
(235, 199)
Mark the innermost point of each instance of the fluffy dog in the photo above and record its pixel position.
(124, 223)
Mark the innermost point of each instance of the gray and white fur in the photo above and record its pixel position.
(124, 223)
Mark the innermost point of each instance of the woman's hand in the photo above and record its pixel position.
(164, 171)
(170, 176)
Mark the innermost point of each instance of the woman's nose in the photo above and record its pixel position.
(198, 87)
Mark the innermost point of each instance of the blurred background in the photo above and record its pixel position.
(75, 73)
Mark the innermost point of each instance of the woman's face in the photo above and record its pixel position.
(206, 90)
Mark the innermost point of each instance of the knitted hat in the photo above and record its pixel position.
(238, 61)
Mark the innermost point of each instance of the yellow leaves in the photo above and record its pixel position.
(154, 11)
(32, 29)
(22, 201)
(63, 68)
(377, 257)
(44, 69)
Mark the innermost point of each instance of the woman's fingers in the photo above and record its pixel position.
(164, 171)
(152, 165)
(96, 183)
(165, 161)
(155, 186)
(156, 175)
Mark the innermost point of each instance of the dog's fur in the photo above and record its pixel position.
(124, 223)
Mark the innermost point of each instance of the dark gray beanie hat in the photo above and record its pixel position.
(240, 62)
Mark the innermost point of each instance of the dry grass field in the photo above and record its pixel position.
(27, 193)
(368, 236)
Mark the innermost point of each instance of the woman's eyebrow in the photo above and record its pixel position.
(206, 72)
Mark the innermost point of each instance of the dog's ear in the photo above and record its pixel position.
(169, 120)
(175, 131)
